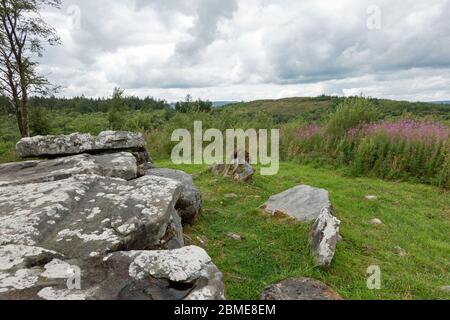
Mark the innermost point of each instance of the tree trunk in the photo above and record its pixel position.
(24, 115)
(19, 119)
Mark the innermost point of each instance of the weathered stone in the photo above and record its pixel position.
(238, 172)
(401, 252)
(445, 289)
(189, 203)
(235, 236)
(303, 203)
(77, 143)
(89, 215)
(237, 167)
(324, 237)
(187, 273)
(376, 222)
(300, 289)
(116, 165)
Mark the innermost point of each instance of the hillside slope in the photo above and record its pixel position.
(312, 109)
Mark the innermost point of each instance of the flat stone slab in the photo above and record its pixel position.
(117, 165)
(303, 203)
(77, 143)
(300, 289)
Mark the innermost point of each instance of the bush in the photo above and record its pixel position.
(350, 113)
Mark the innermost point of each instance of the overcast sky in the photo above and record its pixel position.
(252, 49)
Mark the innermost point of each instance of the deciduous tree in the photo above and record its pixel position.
(23, 34)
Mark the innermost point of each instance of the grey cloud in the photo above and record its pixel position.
(205, 29)
(227, 47)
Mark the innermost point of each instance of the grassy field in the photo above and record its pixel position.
(416, 218)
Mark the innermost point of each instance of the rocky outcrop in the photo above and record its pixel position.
(303, 203)
(88, 215)
(35, 273)
(324, 237)
(117, 165)
(93, 214)
(77, 143)
(300, 289)
(189, 203)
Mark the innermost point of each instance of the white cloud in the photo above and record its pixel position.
(233, 50)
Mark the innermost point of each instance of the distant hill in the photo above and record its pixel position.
(313, 109)
(441, 102)
(219, 104)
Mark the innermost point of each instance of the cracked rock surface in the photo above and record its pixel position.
(117, 165)
(91, 220)
(189, 204)
(324, 237)
(77, 143)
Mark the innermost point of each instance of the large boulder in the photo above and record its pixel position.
(80, 226)
(303, 203)
(300, 289)
(117, 165)
(324, 237)
(35, 273)
(89, 215)
(189, 203)
(77, 143)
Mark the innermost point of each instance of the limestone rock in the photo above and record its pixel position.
(303, 203)
(445, 289)
(376, 222)
(77, 143)
(189, 203)
(238, 167)
(300, 289)
(117, 165)
(89, 215)
(186, 273)
(401, 252)
(238, 172)
(324, 237)
(235, 236)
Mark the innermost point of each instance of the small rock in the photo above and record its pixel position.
(239, 169)
(376, 222)
(401, 252)
(235, 236)
(445, 289)
(300, 289)
(324, 237)
(202, 240)
(231, 195)
(371, 198)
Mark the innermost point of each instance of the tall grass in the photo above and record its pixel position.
(399, 149)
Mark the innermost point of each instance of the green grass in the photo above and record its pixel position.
(416, 218)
